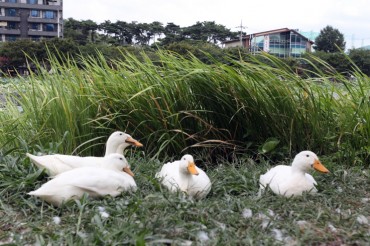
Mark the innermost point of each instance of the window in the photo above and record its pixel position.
(10, 37)
(10, 12)
(32, 1)
(35, 26)
(49, 27)
(49, 14)
(12, 25)
(11, 1)
(35, 13)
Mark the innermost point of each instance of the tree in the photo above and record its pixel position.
(20, 52)
(156, 28)
(89, 27)
(173, 33)
(73, 30)
(142, 33)
(208, 31)
(120, 31)
(16, 52)
(361, 58)
(330, 40)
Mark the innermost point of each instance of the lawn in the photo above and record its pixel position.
(232, 214)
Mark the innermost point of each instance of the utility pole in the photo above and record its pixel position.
(241, 32)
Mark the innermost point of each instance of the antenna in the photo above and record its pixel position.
(241, 32)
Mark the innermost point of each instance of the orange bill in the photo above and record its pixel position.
(317, 165)
(128, 171)
(134, 142)
(192, 168)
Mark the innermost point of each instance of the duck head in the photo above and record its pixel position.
(118, 162)
(188, 166)
(118, 141)
(306, 160)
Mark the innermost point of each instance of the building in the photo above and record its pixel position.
(282, 42)
(30, 19)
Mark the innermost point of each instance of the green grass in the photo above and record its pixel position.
(174, 104)
(232, 214)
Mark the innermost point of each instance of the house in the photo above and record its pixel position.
(30, 19)
(282, 42)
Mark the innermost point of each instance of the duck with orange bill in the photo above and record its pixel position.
(293, 180)
(116, 177)
(58, 163)
(184, 175)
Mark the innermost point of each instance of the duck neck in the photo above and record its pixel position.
(297, 169)
(114, 148)
(121, 148)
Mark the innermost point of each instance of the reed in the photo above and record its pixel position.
(175, 104)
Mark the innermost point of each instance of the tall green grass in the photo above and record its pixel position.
(174, 104)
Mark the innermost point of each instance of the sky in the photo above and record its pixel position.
(350, 17)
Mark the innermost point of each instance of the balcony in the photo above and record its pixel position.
(42, 20)
(42, 33)
(9, 18)
(31, 6)
(9, 31)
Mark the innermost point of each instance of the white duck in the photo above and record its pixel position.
(56, 164)
(184, 175)
(293, 180)
(95, 181)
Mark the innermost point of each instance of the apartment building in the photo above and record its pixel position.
(30, 19)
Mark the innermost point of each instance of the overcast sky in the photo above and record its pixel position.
(350, 17)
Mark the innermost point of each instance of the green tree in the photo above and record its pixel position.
(16, 53)
(173, 33)
(361, 58)
(73, 30)
(142, 33)
(330, 40)
(157, 29)
(208, 31)
(121, 31)
(89, 28)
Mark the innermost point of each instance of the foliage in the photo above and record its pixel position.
(124, 33)
(330, 40)
(81, 32)
(338, 61)
(19, 53)
(205, 52)
(208, 31)
(172, 34)
(175, 104)
(361, 58)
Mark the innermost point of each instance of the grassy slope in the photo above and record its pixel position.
(231, 214)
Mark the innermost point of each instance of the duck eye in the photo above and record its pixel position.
(307, 155)
(121, 158)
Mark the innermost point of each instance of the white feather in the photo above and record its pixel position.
(174, 176)
(56, 164)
